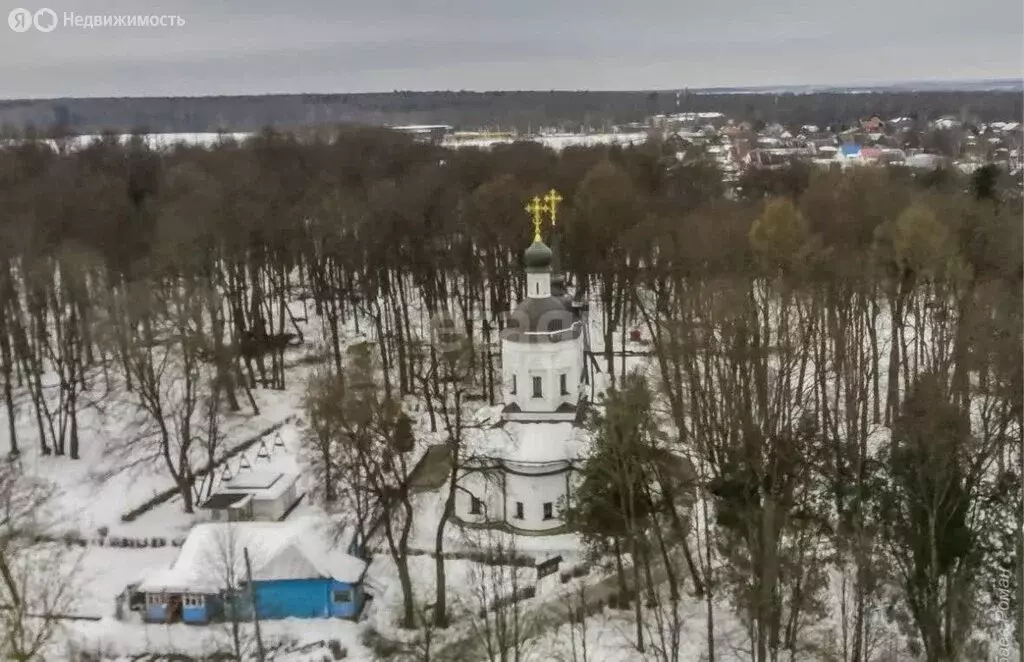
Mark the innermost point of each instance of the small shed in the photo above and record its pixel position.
(259, 495)
(299, 570)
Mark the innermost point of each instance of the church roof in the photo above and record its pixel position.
(529, 442)
(537, 257)
(542, 315)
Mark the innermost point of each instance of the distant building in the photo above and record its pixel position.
(873, 124)
(848, 151)
(768, 159)
(433, 133)
(924, 161)
(298, 571)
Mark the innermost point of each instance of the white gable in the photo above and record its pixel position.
(288, 563)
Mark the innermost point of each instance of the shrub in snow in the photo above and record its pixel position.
(114, 542)
(143, 542)
(489, 558)
(178, 542)
(621, 600)
(158, 542)
(383, 647)
(338, 652)
(103, 531)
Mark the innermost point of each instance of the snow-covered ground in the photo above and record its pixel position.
(557, 141)
(92, 495)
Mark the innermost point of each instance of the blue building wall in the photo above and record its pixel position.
(156, 613)
(194, 614)
(348, 609)
(295, 598)
(299, 598)
(305, 598)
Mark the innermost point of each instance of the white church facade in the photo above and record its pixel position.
(521, 468)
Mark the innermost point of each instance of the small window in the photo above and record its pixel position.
(475, 506)
(341, 595)
(538, 390)
(549, 511)
(538, 288)
(563, 381)
(519, 510)
(513, 391)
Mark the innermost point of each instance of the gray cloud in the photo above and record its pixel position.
(347, 46)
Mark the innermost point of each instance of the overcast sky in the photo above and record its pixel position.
(259, 46)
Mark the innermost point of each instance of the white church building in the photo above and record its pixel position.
(520, 469)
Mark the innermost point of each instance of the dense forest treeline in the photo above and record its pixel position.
(790, 326)
(520, 110)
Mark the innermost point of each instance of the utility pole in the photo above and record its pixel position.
(261, 654)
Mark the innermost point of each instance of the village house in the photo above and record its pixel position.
(298, 570)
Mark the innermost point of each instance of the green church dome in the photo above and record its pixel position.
(537, 256)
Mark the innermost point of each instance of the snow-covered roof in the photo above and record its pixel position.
(924, 160)
(528, 442)
(212, 556)
(260, 483)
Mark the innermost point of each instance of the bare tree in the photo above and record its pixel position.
(359, 443)
(36, 579)
(576, 605)
(499, 623)
(225, 561)
(165, 361)
(446, 374)
(40, 593)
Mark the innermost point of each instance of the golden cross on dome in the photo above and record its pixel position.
(535, 209)
(552, 199)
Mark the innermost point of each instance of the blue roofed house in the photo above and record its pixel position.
(299, 570)
(849, 150)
